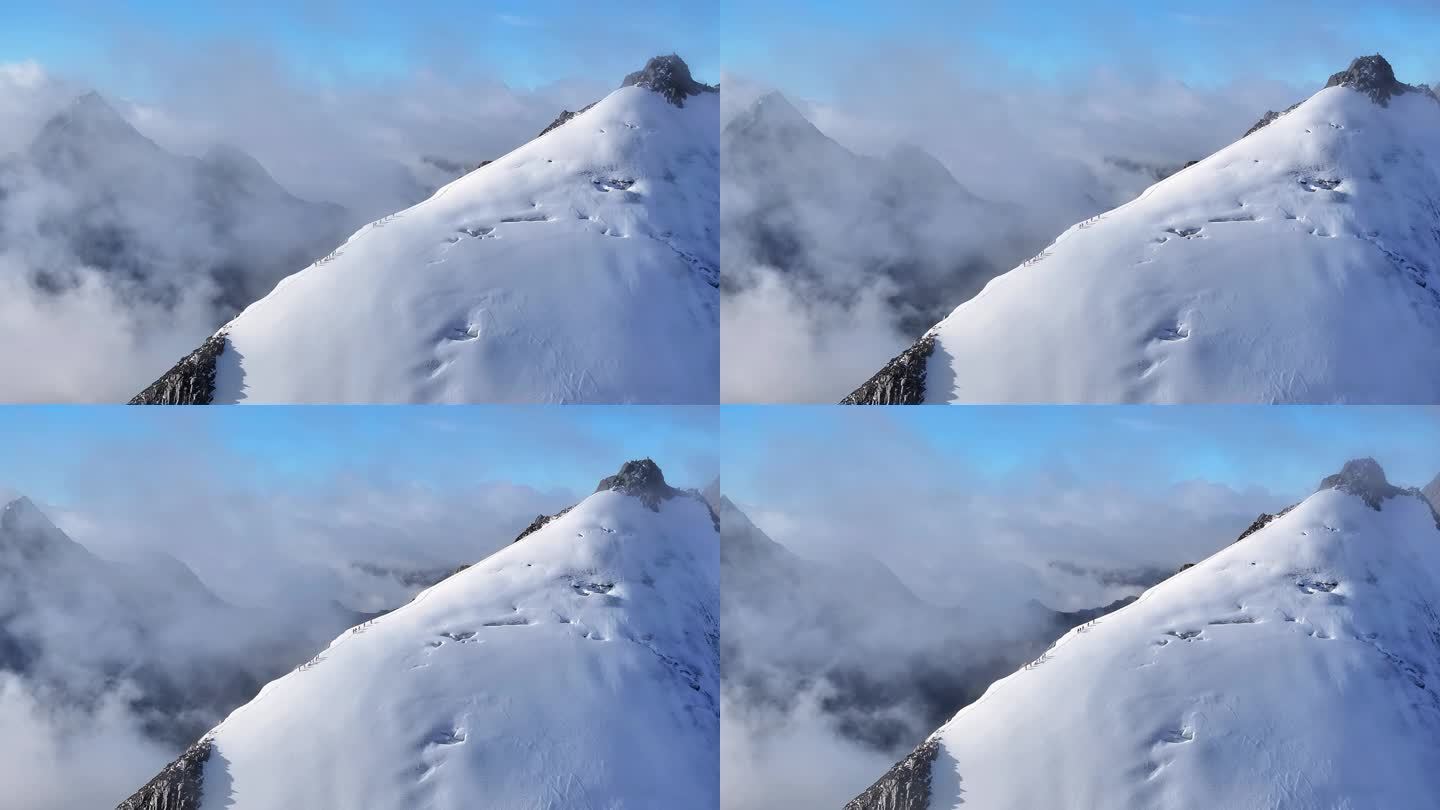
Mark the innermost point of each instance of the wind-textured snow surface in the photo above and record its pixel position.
(582, 267)
(576, 668)
(1299, 264)
(1299, 668)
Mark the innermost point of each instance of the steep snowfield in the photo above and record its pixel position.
(1299, 264)
(576, 668)
(1298, 668)
(582, 267)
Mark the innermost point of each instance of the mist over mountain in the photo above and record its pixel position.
(133, 228)
(803, 216)
(836, 665)
(115, 655)
(580, 664)
(1294, 265)
(582, 267)
(1161, 703)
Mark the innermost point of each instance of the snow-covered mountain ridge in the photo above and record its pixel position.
(581, 267)
(1299, 264)
(577, 668)
(1297, 668)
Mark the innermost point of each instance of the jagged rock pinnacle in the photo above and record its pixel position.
(1373, 76)
(1365, 478)
(641, 478)
(670, 77)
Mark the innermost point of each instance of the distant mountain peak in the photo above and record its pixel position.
(22, 508)
(1373, 76)
(1363, 477)
(774, 117)
(91, 111)
(89, 127)
(670, 77)
(25, 528)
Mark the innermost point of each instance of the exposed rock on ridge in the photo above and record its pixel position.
(1371, 75)
(190, 381)
(905, 786)
(900, 382)
(670, 77)
(1365, 478)
(178, 787)
(641, 478)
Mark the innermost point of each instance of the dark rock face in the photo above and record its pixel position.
(900, 382)
(670, 77)
(905, 786)
(641, 478)
(565, 117)
(190, 381)
(1269, 118)
(178, 786)
(1373, 76)
(667, 75)
(1431, 491)
(539, 523)
(1264, 520)
(1363, 477)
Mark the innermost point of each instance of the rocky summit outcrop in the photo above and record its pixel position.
(641, 478)
(670, 77)
(1361, 476)
(1365, 478)
(900, 382)
(667, 75)
(905, 786)
(565, 117)
(539, 523)
(190, 381)
(178, 786)
(1264, 520)
(1371, 75)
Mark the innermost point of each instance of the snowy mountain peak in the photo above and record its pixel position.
(643, 479)
(1365, 478)
(670, 77)
(1339, 596)
(579, 669)
(1373, 76)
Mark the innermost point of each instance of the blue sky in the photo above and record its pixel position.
(1282, 449)
(49, 450)
(527, 44)
(794, 44)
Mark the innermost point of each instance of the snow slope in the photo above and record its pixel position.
(576, 668)
(1298, 668)
(1299, 264)
(581, 267)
